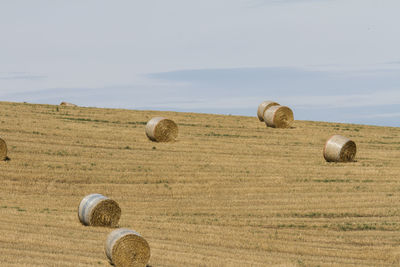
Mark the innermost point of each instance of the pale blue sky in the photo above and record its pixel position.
(329, 60)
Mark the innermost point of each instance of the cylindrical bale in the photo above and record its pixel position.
(67, 104)
(125, 247)
(160, 129)
(98, 210)
(278, 117)
(3, 149)
(339, 149)
(263, 107)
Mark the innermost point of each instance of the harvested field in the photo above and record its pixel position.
(3, 150)
(229, 192)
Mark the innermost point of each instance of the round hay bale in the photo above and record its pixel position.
(3, 150)
(160, 129)
(126, 247)
(339, 149)
(278, 117)
(67, 104)
(263, 107)
(98, 210)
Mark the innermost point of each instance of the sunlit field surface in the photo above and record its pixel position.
(228, 192)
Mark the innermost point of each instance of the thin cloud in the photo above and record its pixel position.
(393, 62)
(20, 76)
(313, 95)
(282, 81)
(259, 3)
(382, 115)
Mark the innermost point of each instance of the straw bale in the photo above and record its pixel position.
(339, 149)
(263, 107)
(278, 117)
(98, 210)
(3, 150)
(67, 104)
(160, 129)
(125, 247)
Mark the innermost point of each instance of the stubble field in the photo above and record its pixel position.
(229, 192)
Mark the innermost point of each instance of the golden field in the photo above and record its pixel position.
(229, 192)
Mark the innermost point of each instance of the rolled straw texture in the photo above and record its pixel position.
(263, 107)
(98, 210)
(160, 129)
(67, 104)
(339, 149)
(126, 247)
(278, 117)
(3, 149)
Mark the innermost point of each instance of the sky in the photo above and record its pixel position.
(328, 60)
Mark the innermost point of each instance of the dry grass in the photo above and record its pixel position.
(230, 192)
(3, 150)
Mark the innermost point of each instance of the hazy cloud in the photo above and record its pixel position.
(365, 96)
(346, 96)
(283, 82)
(394, 62)
(21, 76)
(258, 3)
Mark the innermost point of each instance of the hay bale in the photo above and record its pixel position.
(3, 150)
(278, 117)
(67, 104)
(339, 149)
(126, 247)
(160, 129)
(263, 107)
(98, 210)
